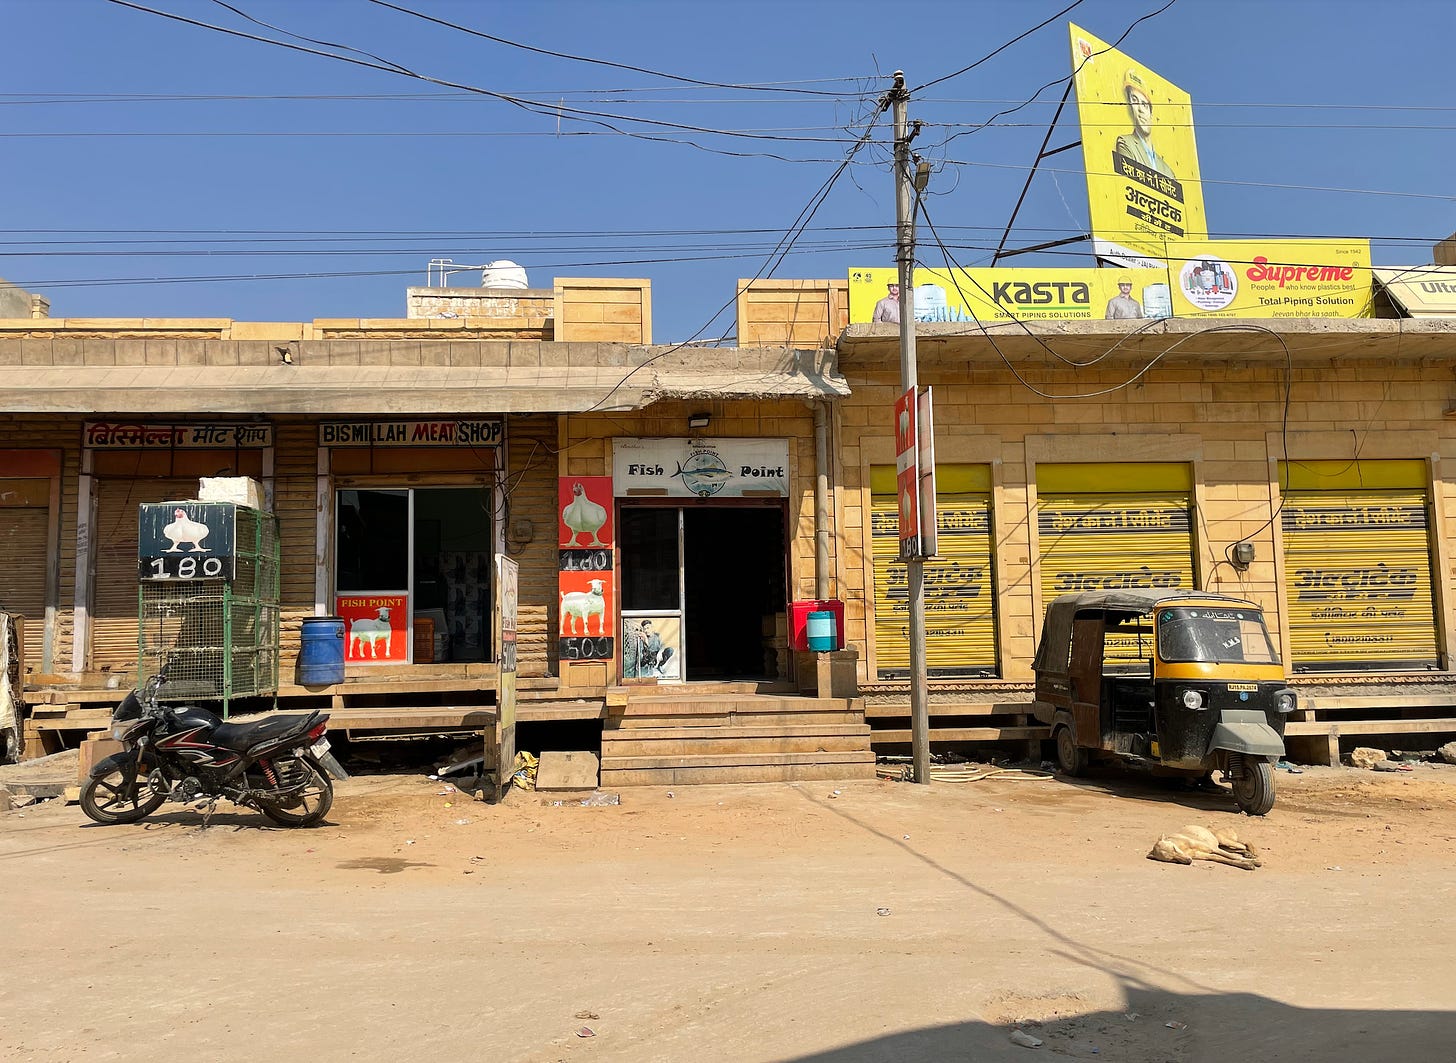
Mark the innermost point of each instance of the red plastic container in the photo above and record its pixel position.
(799, 621)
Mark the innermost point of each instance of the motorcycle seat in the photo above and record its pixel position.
(244, 736)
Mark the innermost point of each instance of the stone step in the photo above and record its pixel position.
(744, 768)
(729, 743)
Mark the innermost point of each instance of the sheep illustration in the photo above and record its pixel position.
(581, 606)
(370, 631)
(184, 530)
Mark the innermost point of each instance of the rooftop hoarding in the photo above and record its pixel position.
(1202, 278)
(1007, 295)
(1143, 185)
(1270, 278)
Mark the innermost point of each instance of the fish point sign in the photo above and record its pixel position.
(701, 468)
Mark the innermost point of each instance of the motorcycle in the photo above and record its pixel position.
(184, 753)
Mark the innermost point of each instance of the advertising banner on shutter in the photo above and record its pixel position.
(1141, 157)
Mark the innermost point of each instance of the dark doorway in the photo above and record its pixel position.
(734, 586)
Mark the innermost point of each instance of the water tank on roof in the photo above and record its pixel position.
(503, 274)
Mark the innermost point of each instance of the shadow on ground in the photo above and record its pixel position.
(1205, 1028)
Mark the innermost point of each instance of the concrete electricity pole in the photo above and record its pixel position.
(915, 564)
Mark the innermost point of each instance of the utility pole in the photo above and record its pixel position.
(915, 564)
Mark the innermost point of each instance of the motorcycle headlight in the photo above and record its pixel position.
(1286, 701)
(1192, 699)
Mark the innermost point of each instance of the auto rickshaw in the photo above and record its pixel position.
(1177, 680)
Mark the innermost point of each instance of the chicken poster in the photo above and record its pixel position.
(185, 540)
(586, 512)
(584, 535)
(376, 628)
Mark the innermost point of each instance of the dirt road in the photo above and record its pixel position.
(883, 921)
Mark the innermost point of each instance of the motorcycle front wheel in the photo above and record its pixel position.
(311, 800)
(104, 799)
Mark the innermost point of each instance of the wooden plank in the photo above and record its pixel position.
(752, 731)
(740, 760)
(759, 773)
(1371, 727)
(964, 734)
(1321, 703)
(969, 708)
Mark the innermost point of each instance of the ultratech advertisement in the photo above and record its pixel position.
(1138, 148)
(985, 295)
(1270, 278)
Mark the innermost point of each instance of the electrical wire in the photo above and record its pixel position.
(1001, 48)
(559, 111)
(587, 59)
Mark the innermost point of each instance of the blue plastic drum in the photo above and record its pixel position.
(321, 651)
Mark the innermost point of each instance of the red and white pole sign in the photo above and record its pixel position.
(915, 473)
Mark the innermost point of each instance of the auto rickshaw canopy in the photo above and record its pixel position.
(1054, 651)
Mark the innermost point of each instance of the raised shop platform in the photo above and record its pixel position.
(420, 699)
(1335, 714)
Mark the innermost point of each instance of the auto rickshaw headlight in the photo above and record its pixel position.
(1192, 699)
(1285, 701)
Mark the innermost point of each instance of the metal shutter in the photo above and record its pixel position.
(960, 599)
(1358, 570)
(114, 533)
(22, 590)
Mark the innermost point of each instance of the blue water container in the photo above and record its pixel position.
(321, 651)
(822, 637)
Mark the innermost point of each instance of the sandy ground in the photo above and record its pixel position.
(828, 922)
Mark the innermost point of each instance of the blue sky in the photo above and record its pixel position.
(1324, 118)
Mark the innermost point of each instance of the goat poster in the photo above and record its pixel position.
(376, 628)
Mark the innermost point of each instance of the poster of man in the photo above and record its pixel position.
(1122, 306)
(888, 309)
(1143, 185)
(650, 647)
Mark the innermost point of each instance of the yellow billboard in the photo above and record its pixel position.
(1270, 278)
(1143, 186)
(1001, 294)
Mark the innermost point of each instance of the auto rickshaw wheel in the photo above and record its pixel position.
(1071, 758)
(1253, 784)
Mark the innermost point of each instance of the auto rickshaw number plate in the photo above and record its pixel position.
(1243, 686)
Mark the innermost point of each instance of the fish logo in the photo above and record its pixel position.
(704, 473)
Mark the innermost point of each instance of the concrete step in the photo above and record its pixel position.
(728, 744)
(777, 767)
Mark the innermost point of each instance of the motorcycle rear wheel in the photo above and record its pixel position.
(310, 804)
(104, 799)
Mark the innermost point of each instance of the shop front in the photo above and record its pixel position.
(123, 466)
(412, 507)
(1357, 566)
(29, 521)
(702, 545)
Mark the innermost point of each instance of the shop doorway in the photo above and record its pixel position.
(424, 555)
(704, 592)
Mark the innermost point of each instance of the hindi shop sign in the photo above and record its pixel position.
(446, 432)
(131, 435)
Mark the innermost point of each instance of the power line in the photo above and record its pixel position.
(587, 59)
(998, 50)
(558, 111)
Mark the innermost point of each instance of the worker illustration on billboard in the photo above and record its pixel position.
(1122, 306)
(888, 308)
(1137, 145)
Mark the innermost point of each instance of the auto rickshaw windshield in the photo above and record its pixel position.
(1213, 636)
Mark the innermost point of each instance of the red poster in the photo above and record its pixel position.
(907, 467)
(586, 603)
(376, 627)
(585, 510)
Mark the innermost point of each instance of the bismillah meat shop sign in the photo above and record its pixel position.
(437, 433)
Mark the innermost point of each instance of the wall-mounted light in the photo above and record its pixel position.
(699, 420)
(1242, 555)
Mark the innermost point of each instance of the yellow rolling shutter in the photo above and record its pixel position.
(1358, 571)
(960, 601)
(22, 589)
(1114, 525)
(114, 602)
